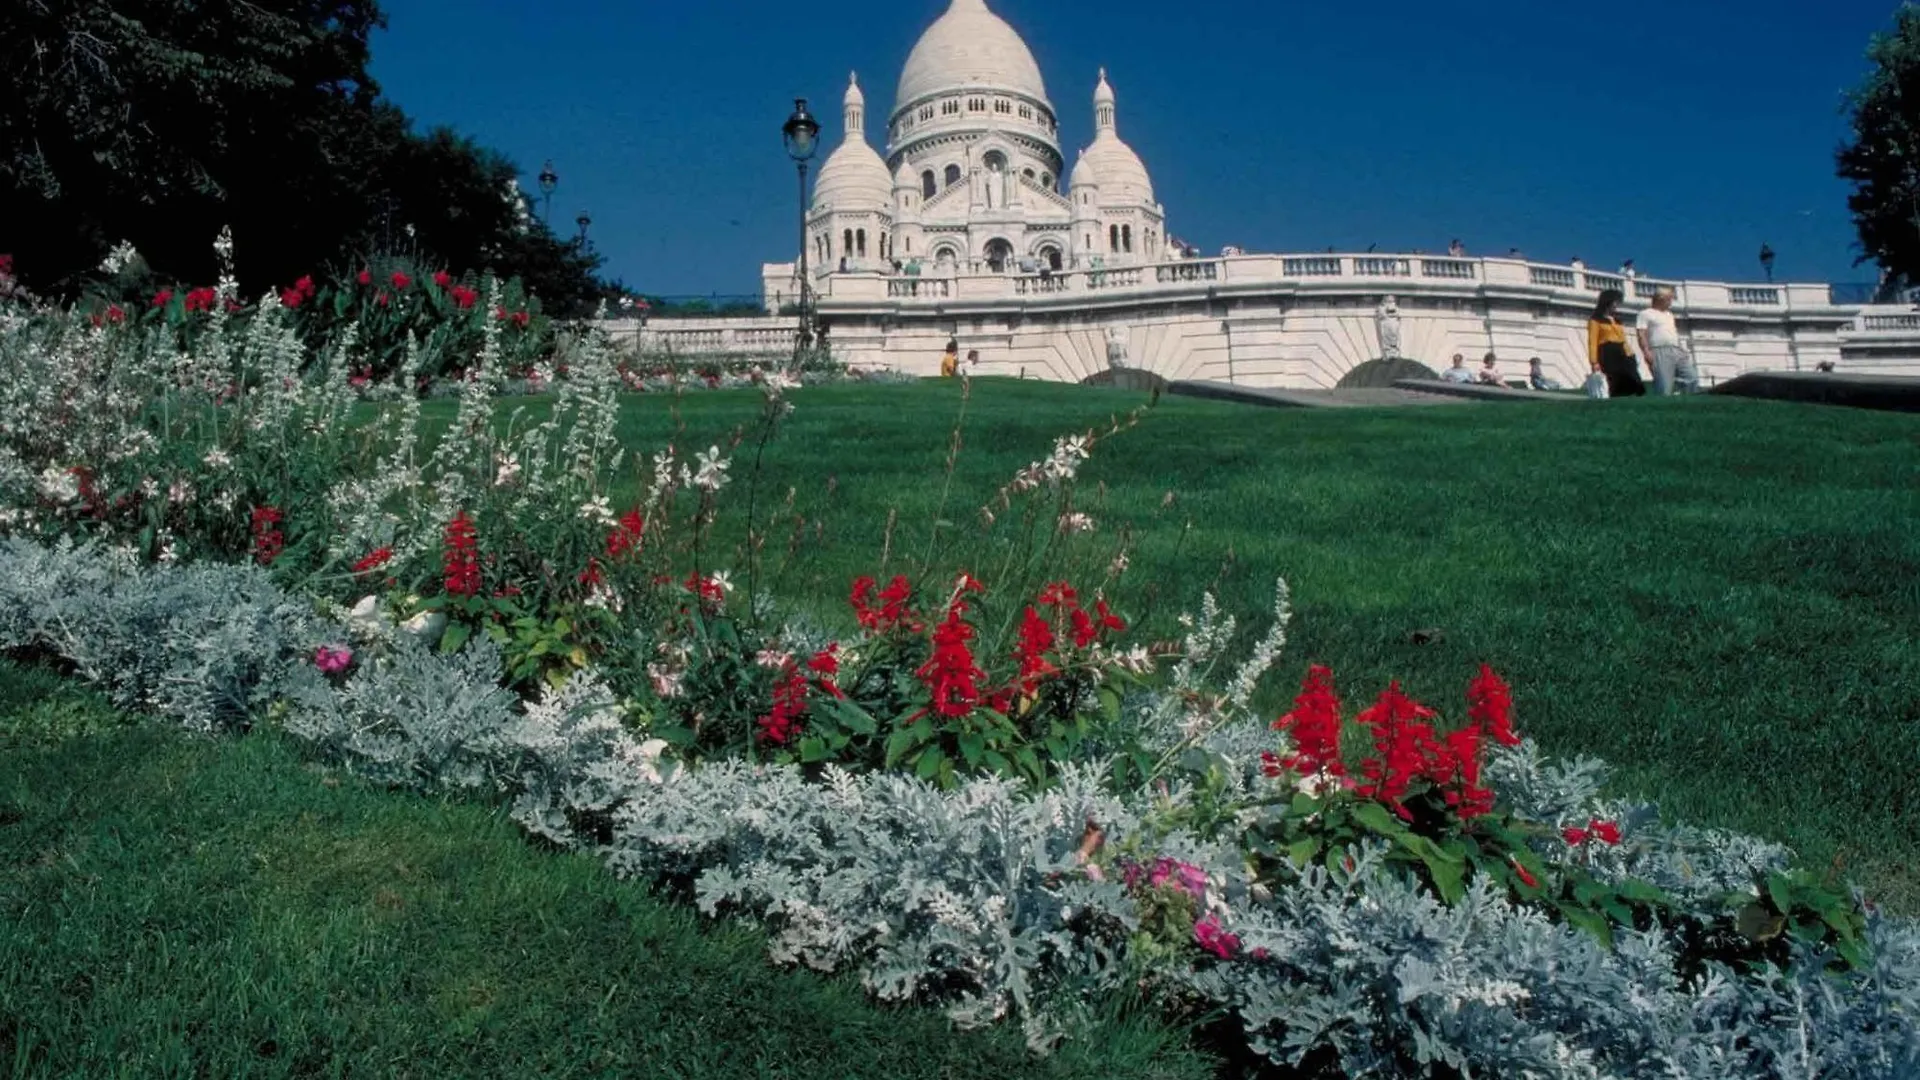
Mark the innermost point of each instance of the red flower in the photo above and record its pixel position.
(951, 674)
(1059, 595)
(291, 298)
(521, 318)
(1270, 763)
(442, 278)
(1490, 705)
(462, 560)
(379, 558)
(162, 298)
(366, 277)
(1036, 641)
(304, 286)
(1526, 878)
(114, 314)
(463, 297)
(779, 726)
(1607, 832)
(1573, 835)
(400, 281)
(268, 541)
(712, 594)
(1406, 749)
(381, 300)
(893, 613)
(1314, 725)
(625, 537)
(6, 266)
(825, 666)
(591, 577)
(201, 299)
(1214, 939)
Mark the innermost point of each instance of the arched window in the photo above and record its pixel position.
(953, 175)
(1046, 181)
(847, 243)
(995, 161)
(1113, 238)
(1126, 238)
(1052, 256)
(1028, 173)
(862, 237)
(928, 185)
(909, 245)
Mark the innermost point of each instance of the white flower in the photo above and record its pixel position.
(721, 580)
(149, 487)
(604, 598)
(666, 682)
(599, 510)
(778, 383)
(119, 258)
(217, 459)
(169, 553)
(1137, 660)
(772, 659)
(713, 471)
(59, 485)
(1076, 522)
(507, 470)
(180, 492)
(1120, 564)
(223, 244)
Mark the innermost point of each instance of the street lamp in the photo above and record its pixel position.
(802, 136)
(548, 181)
(583, 221)
(1766, 260)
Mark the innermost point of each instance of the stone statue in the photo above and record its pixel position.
(1388, 321)
(1116, 347)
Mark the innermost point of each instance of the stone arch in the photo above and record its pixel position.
(1384, 373)
(999, 255)
(953, 175)
(1128, 378)
(946, 254)
(929, 185)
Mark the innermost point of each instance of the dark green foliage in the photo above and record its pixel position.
(160, 121)
(174, 907)
(1881, 158)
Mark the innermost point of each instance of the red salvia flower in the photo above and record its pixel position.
(1574, 835)
(305, 286)
(400, 281)
(462, 560)
(6, 266)
(463, 297)
(379, 558)
(592, 575)
(201, 299)
(268, 541)
(114, 314)
(162, 298)
(381, 300)
(951, 674)
(1490, 705)
(521, 319)
(625, 537)
(779, 726)
(1036, 641)
(366, 277)
(892, 613)
(1314, 726)
(1526, 878)
(442, 279)
(1607, 832)
(1405, 749)
(825, 666)
(291, 298)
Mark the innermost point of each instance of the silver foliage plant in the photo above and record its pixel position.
(975, 899)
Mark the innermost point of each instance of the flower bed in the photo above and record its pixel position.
(976, 783)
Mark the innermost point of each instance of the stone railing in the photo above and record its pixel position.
(740, 336)
(1370, 273)
(1904, 322)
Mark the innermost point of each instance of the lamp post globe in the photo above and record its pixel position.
(801, 134)
(549, 180)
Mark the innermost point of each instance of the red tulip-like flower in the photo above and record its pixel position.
(162, 298)
(463, 297)
(305, 286)
(366, 277)
(442, 278)
(400, 281)
(291, 298)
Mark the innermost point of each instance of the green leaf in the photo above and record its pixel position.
(1378, 818)
(1302, 851)
(928, 765)
(900, 743)
(813, 748)
(998, 762)
(972, 746)
(1592, 922)
(456, 636)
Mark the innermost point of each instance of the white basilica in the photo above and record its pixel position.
(965, 231)
(972, 179)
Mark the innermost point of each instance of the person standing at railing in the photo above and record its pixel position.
(1666, 354)
(1607, 350)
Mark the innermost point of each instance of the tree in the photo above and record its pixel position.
(160, 121)
(1882, 158)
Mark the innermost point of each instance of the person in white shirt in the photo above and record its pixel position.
(1489, 374)
(1660, 343)
(1458, 373)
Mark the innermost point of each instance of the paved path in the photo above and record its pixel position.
(1403, 393)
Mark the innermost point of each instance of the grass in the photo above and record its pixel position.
(173, 907)
(1719, 597)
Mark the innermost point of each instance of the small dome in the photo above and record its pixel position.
(853, 177)
(905, 177)
(1082, 173)
(969, 48)
(1103, 93)
(855, 97)
(1118, 170)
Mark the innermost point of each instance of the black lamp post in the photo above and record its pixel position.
(1766, 260)
(802, 136)
(583, 221)
(548, 181)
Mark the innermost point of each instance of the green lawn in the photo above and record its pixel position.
(1720, 597)
(172, 907)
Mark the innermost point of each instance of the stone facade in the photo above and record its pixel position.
(963, 231)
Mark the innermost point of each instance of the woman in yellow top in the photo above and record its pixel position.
(1608, 351)
(950, 361)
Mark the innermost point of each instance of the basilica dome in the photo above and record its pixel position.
(853, 175)
(1109, 162)
(969, 48)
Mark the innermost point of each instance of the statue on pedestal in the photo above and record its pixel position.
(1116, 347)
(1387, 319)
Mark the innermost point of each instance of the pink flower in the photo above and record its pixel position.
(1214, 938)
(333, 659)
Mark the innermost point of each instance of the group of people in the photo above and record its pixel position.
(1489, 373)
(1612, 357)
(950, 359)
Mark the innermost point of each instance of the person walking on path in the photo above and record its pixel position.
(1660, 343)
(1607, 350)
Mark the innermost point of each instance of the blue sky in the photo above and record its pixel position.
(1682, 135)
